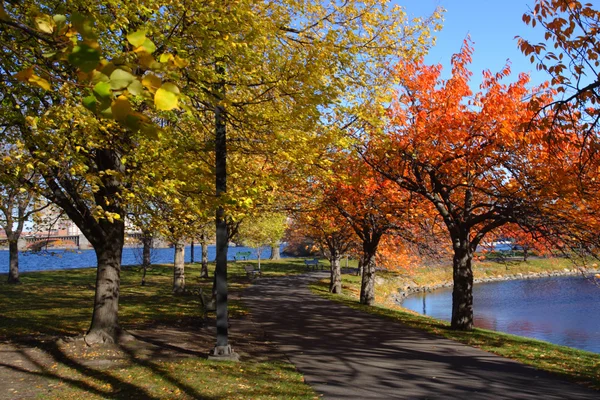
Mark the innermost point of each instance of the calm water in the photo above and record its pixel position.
(67, 259)
(563, 311)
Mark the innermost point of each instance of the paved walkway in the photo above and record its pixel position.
(346, 354)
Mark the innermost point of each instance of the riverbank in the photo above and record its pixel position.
(413, 288)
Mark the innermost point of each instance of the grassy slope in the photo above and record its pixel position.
(59, 303)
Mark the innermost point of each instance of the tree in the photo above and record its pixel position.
(233, 69)
(570, 55)
(262, 230)
(372, 207)
(468, 155)
(205, 235)
(326, 227)
(17, 205)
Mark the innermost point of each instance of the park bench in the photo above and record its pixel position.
(314, 263)
(251, 272)
(242, 255)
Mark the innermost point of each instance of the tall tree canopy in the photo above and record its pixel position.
(98, 86)
(466, 154)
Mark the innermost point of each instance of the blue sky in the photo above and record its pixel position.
(492, 25)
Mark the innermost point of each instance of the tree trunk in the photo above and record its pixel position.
(192, 252)
(204, 270)
(335, 285)
(462, 293)
(525, 254)
(179, 268)
(367, 285)
(359, 270)
(258, 257)
(275, 253)
(147, 245)
(105, 321)
(13, 261)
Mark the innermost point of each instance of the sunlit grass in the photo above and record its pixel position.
(59, 303)
(191, 378)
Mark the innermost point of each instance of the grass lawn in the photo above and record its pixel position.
(171, 363)
(576, 365)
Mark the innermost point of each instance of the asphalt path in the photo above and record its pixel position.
(347, 354)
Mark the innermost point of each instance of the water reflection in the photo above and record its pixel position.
(559, 310)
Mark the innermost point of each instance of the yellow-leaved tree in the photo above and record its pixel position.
(101, 85)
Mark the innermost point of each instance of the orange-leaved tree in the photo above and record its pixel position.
(325, 227)
(466, 154)
(373, 206)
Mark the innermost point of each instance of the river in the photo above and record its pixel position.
(68, 259)
(564, 311)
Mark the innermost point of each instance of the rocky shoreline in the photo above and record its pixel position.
(408, 289)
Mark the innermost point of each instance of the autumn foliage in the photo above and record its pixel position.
(475, 157)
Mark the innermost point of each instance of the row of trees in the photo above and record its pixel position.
(178, 113)
(184, 114)
(452, 166)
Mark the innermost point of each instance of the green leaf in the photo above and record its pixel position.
(133, 122)
(85, 57)
(59, 19)
(103, 90)
(90, 103)
(98, 76)
(137, 38)
(148, 46)
(170, 87)
(84, 25)
(165, 57)
(107, 113)
(120, 79)
(136, 88)
(167, 97)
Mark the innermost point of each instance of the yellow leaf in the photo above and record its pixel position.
(167, 97)
(45, 23)
(41, 82)
(121, 108)
(152, 82)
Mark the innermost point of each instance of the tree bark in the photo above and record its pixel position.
(359, 270)
(105, 323)
(367, 285)
(462, 293)
(13, 261)
(525, 254)
(192, 252)
(147, 245)
(179, 268)
(204, 269)
(335, 285)
(275, 255)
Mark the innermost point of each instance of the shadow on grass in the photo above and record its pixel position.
(59, 303)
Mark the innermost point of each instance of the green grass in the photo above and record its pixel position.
(53, 304)
(191, 378)
(576, 365)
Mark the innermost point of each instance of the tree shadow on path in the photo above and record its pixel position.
(345, 353)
